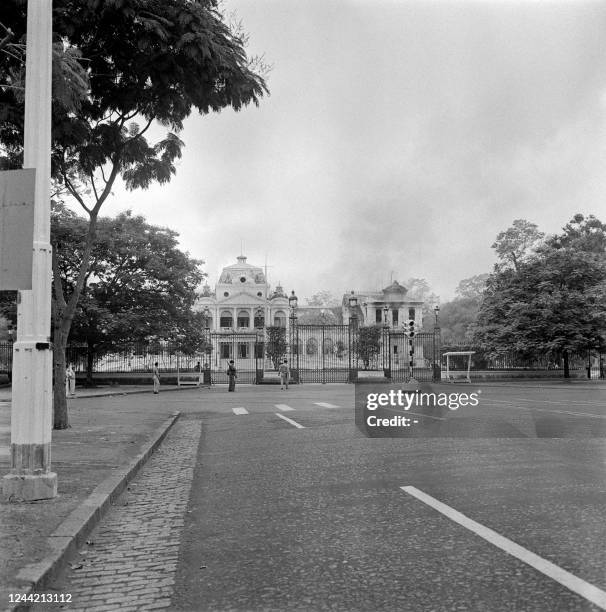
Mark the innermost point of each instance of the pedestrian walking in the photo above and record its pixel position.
(232, 374)
(284, 373)
(70, 381)
(156, 377)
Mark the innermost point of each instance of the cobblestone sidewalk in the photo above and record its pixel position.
(131, 556)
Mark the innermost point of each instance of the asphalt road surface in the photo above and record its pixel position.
(274, 500)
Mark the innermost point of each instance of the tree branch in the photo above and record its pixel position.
(108, 187)
(75, 193)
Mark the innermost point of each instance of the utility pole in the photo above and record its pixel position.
(30, 477)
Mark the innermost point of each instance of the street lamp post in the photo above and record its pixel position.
(353, 315)
(353, 320)
(437, 361)
(385, 316)
(30, 477)
(293, 302)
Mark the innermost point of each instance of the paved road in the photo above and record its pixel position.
(274, 500)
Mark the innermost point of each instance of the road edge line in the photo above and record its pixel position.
(573, 583)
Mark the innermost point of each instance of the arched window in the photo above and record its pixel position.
(226, 319)
(280, 319)
(243, 319)
(311, 346)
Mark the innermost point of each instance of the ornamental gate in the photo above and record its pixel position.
(343, 353)
(321, 353)
(246, 349)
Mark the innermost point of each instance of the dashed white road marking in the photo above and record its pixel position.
(240, 410)
(325, 405)
(297, 425)
(283, 407)
(549, 569)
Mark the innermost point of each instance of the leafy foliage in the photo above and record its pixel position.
(145, 62)
(276, 345)
(517, 243)
(323, 298)
(554, 301)
(457, 319)
(368, 343)
(139, 285)
(473, 287)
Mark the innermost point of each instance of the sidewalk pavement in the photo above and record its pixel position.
(107, 443)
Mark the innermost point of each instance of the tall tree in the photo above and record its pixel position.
(518, 242)
(367, 345)
(472, 287)
(148, 61)
(457, 320)
(323, 298)
(276, 345)
(555, 301)
(139, 285)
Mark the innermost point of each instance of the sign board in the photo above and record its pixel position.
(17, 189)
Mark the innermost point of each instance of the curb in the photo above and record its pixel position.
(73, 531)
(126, 392)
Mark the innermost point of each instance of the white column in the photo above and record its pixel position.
(30, 477)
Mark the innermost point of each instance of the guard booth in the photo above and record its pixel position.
(458, 375)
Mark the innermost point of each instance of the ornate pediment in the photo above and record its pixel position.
(241, 299)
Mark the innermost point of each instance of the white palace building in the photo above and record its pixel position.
(240, 307)
(243, 304)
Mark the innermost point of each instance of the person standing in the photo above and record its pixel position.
(232, 375)
(156, 377)
(284, 373)
(198, 369)
(70, 381)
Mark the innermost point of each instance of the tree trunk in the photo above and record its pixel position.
(63, 315)
(60, 414)
(566, 365)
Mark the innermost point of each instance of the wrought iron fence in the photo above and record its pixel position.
(6, 357)
(512, 360)
(317, 353)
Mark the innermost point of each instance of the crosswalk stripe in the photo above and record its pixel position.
(283, 407)
(325, 405)
(297, 425)
(240, 410)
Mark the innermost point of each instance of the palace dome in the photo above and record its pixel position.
(242, 272)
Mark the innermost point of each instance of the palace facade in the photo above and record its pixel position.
(243, 304)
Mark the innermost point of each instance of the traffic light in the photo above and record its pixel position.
(411, 328)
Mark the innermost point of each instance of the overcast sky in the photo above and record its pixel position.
(398, 137)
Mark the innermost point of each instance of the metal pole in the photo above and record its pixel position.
(322, 352)
(30, 477)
